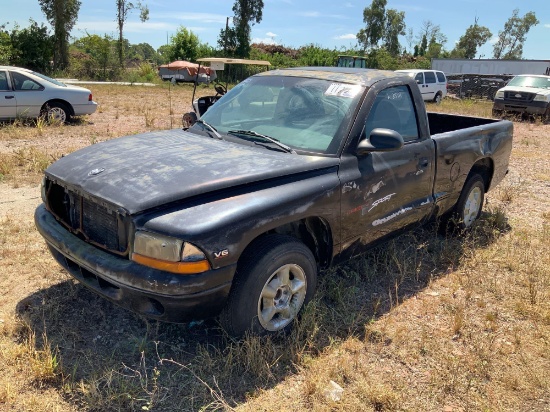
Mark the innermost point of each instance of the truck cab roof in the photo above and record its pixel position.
(363, 77)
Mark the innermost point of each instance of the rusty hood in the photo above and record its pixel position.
(149, 170)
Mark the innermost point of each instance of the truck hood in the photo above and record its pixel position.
(144, 171)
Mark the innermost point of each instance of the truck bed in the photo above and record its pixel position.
(443, 122)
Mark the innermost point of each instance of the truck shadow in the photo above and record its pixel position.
(112, 359)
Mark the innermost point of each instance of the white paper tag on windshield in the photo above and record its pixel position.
(343, 90)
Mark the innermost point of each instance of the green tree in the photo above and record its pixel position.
(227, 41)
(62, 15)
(374, 17)
(246, 14)
(475, 36)
(510, 40)
(315, 55)
(164, 53)
(124, 8)
(32, 47)
(395, 27)
(184, 45)
(6, 49)
(430, 33)
(423, 46)
(142, 52)
(101, 56)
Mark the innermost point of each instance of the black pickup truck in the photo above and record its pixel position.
(287, 174)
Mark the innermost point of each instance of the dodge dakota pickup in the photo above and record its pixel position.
(290, 172)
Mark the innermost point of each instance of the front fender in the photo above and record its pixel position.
(229, 224)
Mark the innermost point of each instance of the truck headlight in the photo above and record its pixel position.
(499, 95)
(168, 254)
(540, 98)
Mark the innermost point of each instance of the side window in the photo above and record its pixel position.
(430, 77)
(22, 82)
(393, 109)
(419, 78)
(4, 82)
(441, 77)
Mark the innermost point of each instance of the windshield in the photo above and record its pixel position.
(49, 79)
(531, 81)
(305, 114)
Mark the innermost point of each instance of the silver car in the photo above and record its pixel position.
(28, 94)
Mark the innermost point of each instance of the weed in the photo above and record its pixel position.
(150, 117)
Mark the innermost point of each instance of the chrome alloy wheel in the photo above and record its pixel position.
(282, 297)
(57, 114)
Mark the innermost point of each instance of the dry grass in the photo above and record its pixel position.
(424, 323)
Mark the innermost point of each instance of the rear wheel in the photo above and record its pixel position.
(275, 278)
(438, 98)
(56, 112)
(470, 203)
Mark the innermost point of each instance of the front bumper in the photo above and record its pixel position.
(150, 292)
(520, 107)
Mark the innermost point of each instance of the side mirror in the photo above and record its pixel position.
(380, 140)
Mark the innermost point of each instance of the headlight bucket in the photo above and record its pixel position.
(157, 246)
(540, 98)
(168, 254)
(499, 95)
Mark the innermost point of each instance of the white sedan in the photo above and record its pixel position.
(24, 93)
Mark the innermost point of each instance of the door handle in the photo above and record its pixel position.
(423, 162)
(9, 97)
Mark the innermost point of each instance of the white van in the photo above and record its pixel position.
(432, 83)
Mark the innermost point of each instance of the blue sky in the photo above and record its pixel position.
(298, 22)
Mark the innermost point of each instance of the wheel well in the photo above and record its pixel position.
(63, 102)
(314, 232)
(485, 168)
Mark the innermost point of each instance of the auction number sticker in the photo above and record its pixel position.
(343, 90)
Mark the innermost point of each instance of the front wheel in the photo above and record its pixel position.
(498, 113)
(275, 278)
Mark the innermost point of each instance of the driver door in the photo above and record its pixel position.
(385, 191)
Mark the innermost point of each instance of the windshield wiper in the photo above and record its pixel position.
(283, 146)
(210, 128)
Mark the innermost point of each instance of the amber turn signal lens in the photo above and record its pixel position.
(182, 268)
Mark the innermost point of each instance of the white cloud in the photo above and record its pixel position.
(310, 14)
(133, 27)
(270, 34)
(317, 14)
(265, 40)
(349, 36)
(547, 26)
(348, 5)
(202, 17)
(493, 39)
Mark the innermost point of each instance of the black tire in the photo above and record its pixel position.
(438, 98)
(470, 203)
(277, 272)
(56, 112)
(498, 113)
